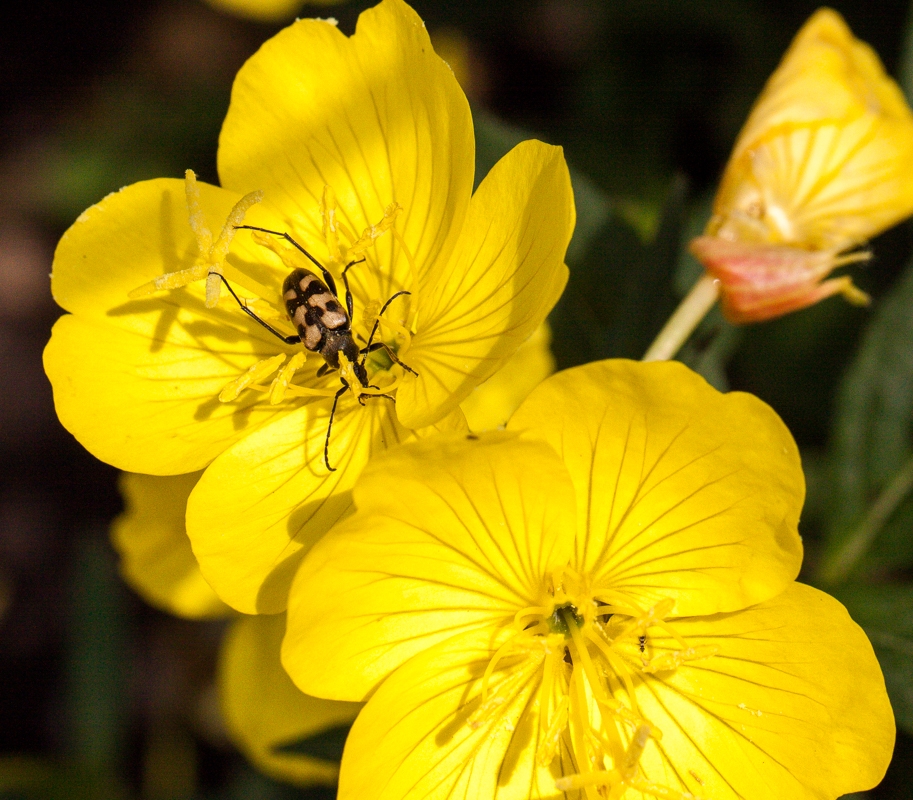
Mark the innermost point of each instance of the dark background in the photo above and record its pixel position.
(645, 96)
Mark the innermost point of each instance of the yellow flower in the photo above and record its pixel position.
(822, 164)
(361, 149)
(263, 711)
(599, 601)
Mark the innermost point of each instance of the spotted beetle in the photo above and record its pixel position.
(323, 325)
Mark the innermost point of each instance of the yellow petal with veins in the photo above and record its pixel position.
(505, 276)
(413, 738)
(793, 697)
(344, 122)
(262, 504)
(687, 493)
(367, 606)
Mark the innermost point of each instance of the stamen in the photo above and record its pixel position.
(493, 662)
(531, 611)
(219, 251)
(256, 373)
(283, 379)
(210, 256)
(373, 232)
(195, 212)
(302, 391)
(617, 664)
(330, 224)
(491, 702)
(549, 731)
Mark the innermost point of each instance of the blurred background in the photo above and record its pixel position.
(102, 696)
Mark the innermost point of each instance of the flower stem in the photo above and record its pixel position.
(686, 318)
(840, 562)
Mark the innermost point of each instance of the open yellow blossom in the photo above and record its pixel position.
(822, 164)
(598, 602)
(361, 150)
(267, 717)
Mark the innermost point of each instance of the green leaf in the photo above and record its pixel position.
(886, 615)
(96, 678)
(870, 443)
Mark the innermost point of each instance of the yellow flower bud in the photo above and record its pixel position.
(823, 163)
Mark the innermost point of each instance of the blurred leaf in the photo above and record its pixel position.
(328, 744)
(886, 614)
(134, 132)
(619, 296)
(96, 697)
(27, 778)
(249, 784)
(871, 434)
(495, 138)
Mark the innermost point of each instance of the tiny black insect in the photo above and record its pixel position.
(642, 642)
(323, 325)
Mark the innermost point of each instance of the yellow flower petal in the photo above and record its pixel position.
(263, 503)
(144, 396)
(409, 568)
(133, 236)
(378, 117)
(264, 711)
(507, 273)
(414, 738)
(793, 705)
(825, 157)
(156, 559)
(491, 404)
(687, 493)
(139, 407)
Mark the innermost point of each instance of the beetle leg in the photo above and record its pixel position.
(326, 444)
(389, 350)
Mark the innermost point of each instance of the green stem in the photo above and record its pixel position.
(686, 318)
(839, 563)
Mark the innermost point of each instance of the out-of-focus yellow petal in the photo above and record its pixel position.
(144, 395)
(156, 559)
(450, 535)
(261, 505)
(686, 493)
(378, 117)
(825, 157)
(415, 739)
(793, 702)
(491, 404)
(507, 273)
(267, 717)
(267, 10)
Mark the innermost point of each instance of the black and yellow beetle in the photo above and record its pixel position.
(323, 325)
